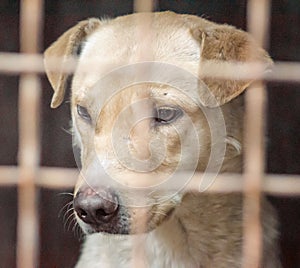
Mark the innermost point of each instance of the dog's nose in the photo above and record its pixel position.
(96, 207)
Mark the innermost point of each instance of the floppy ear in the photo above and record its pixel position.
(226, 43)
(66, 46)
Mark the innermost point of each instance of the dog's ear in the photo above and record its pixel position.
(66, 46)
(226, 43)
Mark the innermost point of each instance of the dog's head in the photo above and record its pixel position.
(141, 113)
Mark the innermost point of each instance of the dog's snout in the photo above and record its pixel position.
(96, 207)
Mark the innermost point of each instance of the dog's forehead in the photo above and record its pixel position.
(131, 39)
(140, 37)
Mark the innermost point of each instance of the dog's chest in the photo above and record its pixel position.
(132, 251)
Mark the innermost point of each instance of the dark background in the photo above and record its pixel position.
(59, 244)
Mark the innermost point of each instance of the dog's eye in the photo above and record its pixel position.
(167, 115)
(83, 113)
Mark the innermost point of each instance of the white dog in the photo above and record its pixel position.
(141, 114)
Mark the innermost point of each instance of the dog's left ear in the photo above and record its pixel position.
(66, 46)
(226, 43)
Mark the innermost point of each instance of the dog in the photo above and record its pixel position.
(142, 115)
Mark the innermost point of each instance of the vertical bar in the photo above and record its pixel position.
(29, 139)
(258, 17)
(254, 167)
(143, 5)
(143, 33)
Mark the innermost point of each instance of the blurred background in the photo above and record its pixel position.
(59, 245)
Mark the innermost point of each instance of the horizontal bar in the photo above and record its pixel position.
(48, 177)
(58, 178)
(14, 63)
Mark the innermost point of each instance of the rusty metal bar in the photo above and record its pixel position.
(254, 168)
(143, 33)
(16, 63)
(143, 5)
(29, 139)
(258, 18)
(60, 178)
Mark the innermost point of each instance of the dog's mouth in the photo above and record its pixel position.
(126, 224)
(101, 210)
(92, 229)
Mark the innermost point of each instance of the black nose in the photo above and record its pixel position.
(96, 206)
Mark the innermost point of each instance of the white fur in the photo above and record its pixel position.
(104, 250)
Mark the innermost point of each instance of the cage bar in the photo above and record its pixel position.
(143, 5)
(65, 178)
(16, 63)
(254, 156)
(143, 33)
(29, 139)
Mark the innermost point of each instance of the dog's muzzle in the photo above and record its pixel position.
(100, 210)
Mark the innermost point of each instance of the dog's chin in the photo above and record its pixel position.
(113, 230)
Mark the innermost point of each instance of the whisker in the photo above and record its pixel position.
(160, 213)
(66, 193)
(69, 220)
(78, 232)
(75, 224)
(68, 131)
(67, 207)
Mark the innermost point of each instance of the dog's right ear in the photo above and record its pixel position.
(66, 46)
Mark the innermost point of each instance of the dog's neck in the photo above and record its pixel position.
(145, 250)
